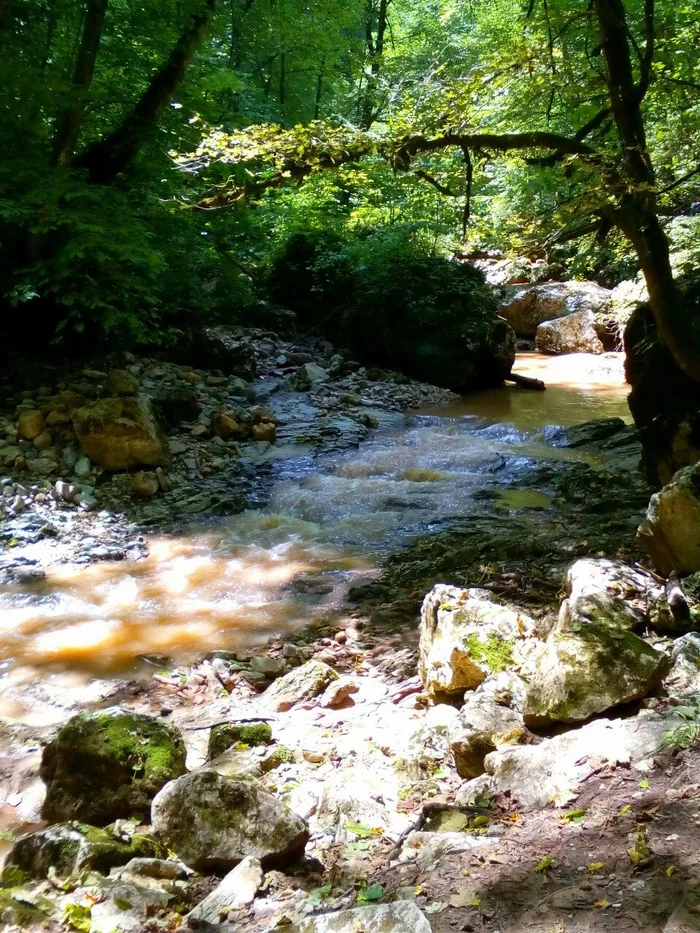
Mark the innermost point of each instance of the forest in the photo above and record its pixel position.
(350, 466)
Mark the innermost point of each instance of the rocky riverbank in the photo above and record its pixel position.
(447, 775)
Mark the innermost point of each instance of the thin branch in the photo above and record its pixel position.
(648, 56)
(443, 189)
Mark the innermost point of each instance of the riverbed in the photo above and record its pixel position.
(329, 522)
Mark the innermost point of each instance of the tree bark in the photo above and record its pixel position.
(375, 51)
(636, 215)
(69, 122)
(109, 157)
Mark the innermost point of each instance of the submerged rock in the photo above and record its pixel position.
(109, 764)
(578, 674)
(70, 847)
(575, 333)
(213, 822)
(465, 635)
(670, 533)
(399, 917)
(120, 433)
(298, 686)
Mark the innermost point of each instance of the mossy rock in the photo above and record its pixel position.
(580, 674)
(224, 736)
(68, 848)
(109, 764)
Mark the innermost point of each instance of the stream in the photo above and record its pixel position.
(329, 522)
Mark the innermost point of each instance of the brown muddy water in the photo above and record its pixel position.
(329, 521)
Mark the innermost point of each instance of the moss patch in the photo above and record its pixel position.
(252, 734)
(494, 653)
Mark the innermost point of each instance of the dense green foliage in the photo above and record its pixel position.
(133, 257)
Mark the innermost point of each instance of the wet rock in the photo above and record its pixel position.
(42, 441)
(575, 333)
(57, 418)
(485, 722)
(109, 764)
(670, 533)
(265, 431)
(537, 775)
(226, 425)
(237, 889)
(307, 376)
(684, 676)
(223, 736)
(552, 300)
(144, 484)
(399, 917)
(213, 822)
(71, 847)
(465, 635)
(30, 424)
(604, 591)
(299, 686)
(578, 674)
(121, 382)
(261, 415)
(120, 433)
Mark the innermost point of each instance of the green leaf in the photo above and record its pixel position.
(374, 892)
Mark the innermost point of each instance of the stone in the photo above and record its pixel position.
(109, 764)
(120, 433)
(213, 823)
(144, 484)
(465, 635)
(223, 736)
(575, 333)
(589, 433)
(177, 446)
(578, 674)
(484, 724)
(338, 693)
(42, 466)
(271, 667)
(605, 591)
(261, 415)
(175, 404)
(550, 772)
(308, 375)
(237, 763)
(237, 889)
(71, 847)
(121, 382)
(82, 467)
(57, 418)
(42, 441)
(684, 676)
(66, 491)
(225, 425)
(549, 301)
(298, 686)
(30, 424)
(124, 904)
(265, 431)
(398, 917)
(670, 533)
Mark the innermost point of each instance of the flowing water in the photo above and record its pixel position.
(329, 521)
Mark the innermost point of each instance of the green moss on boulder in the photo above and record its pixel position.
(252, 734)
(110, 764)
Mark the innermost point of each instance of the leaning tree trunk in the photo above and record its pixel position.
(107, 158)
(69, 122)
(636, 215)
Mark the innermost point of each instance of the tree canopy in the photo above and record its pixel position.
(155, 153)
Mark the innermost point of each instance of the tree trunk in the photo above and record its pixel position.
(107, 158)
(636, 214)
(375, 51)
(69, 122)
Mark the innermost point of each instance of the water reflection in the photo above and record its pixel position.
(328, 522)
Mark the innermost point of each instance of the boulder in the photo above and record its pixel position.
(145, 484)
(605, 591)
(175, 403)
(213, 822)
(308, 375)
(670, 533)
(399, 917)
(30, 424)
(215, 348)
(578, 674)
(298, 686)
(486, 721)
(227, 425)
(70, 847)
(121, 382)
(552, 300)
(120, 433)
(465, 636)
(591, 433)
(684, 676)
(265, 431)
(237, 889)
(537, 775)
(109, 764)
(223, 736)
(664, 401)
(575, 333)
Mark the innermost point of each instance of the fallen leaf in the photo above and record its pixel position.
(671, 870)
(467, 897)
(602, 904)
(596, 866)
(544, 863)
(644, 784)
(625, 809)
